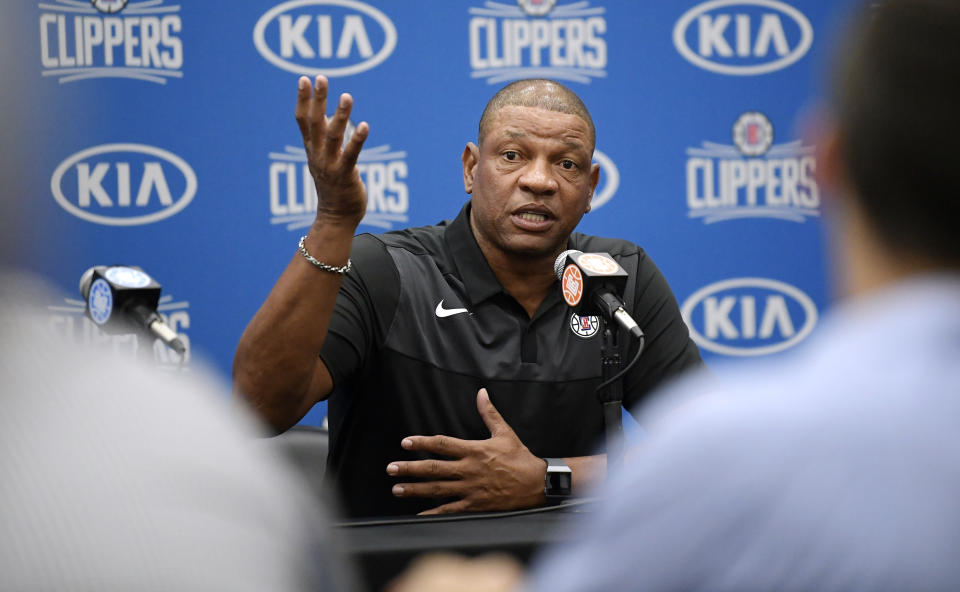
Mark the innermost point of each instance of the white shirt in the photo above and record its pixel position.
(115, 476)
(836, 468)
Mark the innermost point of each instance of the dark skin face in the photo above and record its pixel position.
(532, 180)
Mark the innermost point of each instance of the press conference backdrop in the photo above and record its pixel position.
(171, 143)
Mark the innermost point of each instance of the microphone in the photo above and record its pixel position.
(121, 298)
(592, 284)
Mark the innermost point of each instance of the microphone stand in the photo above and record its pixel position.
(611, 395)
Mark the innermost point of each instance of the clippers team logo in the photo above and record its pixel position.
(109, 6)
(572, 284)
(127, 277)
(80, 40)
(68, 321)
(743, 37)
(329, 37)
(753, 133)
(585, 327)
(749, 316)
(753, 178)
(599, 264)
(537, 7)
(293, 195)
(101, 301)
(537, 39)
(123, 184)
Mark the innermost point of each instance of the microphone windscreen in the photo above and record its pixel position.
(561, 259)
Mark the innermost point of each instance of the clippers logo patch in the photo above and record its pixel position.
(585, 327)
(572, 284)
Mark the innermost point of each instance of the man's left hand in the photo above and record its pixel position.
(498, 473)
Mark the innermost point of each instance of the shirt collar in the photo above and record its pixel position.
(472, 266)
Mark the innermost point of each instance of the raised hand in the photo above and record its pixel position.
(341, 195)
(498, 473)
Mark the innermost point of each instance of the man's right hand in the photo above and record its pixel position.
(341, 196)
(277, 368)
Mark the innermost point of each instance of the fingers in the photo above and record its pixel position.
(456, 507)
(317, 113)
(322, 133)
(442, 445)
(336, 126)
(352, 150)
(430, 489)
(303, 103)
(432, 468)
(491, 417)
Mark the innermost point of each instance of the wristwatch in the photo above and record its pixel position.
(558, 480)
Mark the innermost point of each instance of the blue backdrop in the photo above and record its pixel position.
(170, 143)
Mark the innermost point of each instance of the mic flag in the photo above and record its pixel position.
(593, 284)
(124, 299)
(584, 275)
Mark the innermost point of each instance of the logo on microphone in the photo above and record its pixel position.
(101, 301)
(584, 326)
(127, 277)
(599, 264)
(572, 283)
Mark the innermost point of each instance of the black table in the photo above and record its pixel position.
(382, 549)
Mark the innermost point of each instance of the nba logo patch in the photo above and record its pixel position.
(585, 327)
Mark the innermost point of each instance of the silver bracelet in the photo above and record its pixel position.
(331, 268)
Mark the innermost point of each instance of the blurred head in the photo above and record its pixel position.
(531, 176)
(896, 88)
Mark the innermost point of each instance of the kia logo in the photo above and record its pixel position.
(743, 37)
(749, 316)
(123, 184)
(324, 40)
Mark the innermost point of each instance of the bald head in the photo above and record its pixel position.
(537, 93)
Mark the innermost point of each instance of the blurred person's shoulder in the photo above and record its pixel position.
(134, 468)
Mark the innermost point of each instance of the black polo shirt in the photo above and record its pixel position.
(404, 364)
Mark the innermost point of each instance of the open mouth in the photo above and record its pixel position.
(532, 217)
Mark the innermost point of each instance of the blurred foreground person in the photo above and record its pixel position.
(837, 468)
(107, 487)
(113, 475)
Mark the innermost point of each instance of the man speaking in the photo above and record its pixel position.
(453, 367)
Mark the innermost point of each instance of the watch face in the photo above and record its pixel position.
(558, 482)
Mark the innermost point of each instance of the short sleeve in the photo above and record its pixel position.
(668, 349)
(364, 310)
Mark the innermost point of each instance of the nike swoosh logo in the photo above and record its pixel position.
(448, 312)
